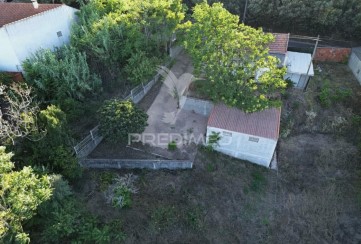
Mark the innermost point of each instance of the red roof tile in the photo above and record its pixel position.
(11, 12)
(265, 123)
(280, 44)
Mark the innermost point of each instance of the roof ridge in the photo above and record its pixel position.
(55, 6)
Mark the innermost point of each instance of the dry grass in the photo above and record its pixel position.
(313, 198)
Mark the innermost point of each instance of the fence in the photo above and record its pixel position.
(90, 142)
(135, 164)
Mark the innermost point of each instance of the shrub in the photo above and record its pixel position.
(54, 149)
(140, 68)
(119, 194)
(213, 140)
(324, 97)
(120, 118)
(59, 75)
(172, 146)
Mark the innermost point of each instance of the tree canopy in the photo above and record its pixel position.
(113, 32)
(21, 193)
(120, 118)
(334, 18)
(234, 59)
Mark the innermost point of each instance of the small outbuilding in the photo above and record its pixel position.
(299, 68)
(247, 136)
(355, 63)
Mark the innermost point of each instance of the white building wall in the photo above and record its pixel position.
(39, 31)
(8, 58)
(239, 146)
(355, 65)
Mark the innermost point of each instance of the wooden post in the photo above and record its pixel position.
(309, 65)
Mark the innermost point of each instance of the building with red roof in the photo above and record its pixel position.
(27, 27)
(247, 136)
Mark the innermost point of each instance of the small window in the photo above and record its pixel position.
(59, 34)
(225, 133)
(253, 139)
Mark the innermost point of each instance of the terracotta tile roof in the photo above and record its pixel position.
(263, 124)
(280, 44)
(11, 12)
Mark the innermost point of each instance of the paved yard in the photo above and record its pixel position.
(166, 122)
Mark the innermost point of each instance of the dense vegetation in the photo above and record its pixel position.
(340, 19)
(115, 46)
(234, 59)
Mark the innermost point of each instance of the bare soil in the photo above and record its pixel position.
(314, 197)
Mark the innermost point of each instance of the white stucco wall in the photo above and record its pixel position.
(8, 58)
(355, 65)
(239, 146)
(39, 31)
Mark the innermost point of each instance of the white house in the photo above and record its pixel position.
(299, 65)
(251, 136)
(299, 68)
(27, 27)
(355, 63)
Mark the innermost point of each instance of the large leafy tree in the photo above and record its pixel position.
(234, 59)
(21, 192)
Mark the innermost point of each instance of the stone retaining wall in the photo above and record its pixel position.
(135, 164)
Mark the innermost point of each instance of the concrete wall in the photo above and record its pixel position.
(239, 146)
(355, 65)
(40, 31)
(199, 106)
(332, 54)
(135, 164)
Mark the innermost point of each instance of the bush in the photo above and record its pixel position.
(64, 219)
(118, 119)
(140, 68)
(119, 194)
(172, 146)
(54, 149)
(59, 75)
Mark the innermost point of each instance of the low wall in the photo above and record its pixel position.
(332, 54)
(135, 164)
(199, 106)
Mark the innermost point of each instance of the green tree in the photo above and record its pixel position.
(59, 75)
(64, 219)
(21, 193)
(234, 58)
(112, 32)
(54, 149)
(120, 118)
